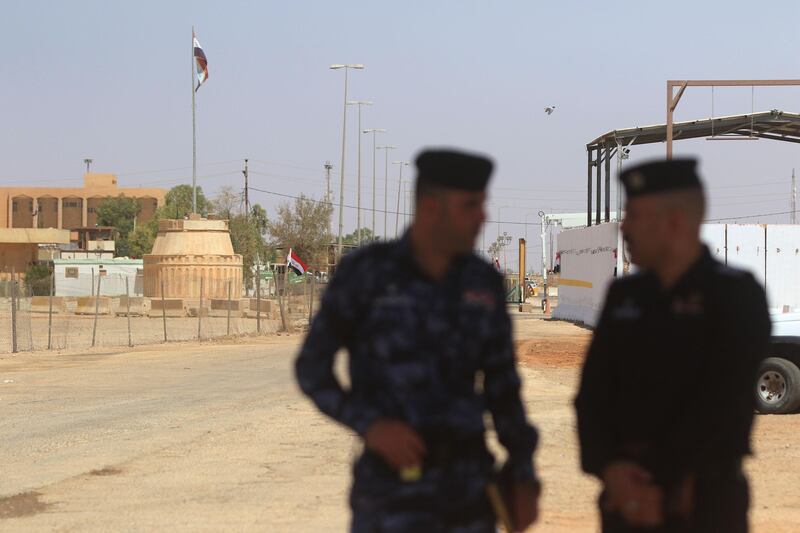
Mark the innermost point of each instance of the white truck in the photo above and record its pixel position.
(777, 387)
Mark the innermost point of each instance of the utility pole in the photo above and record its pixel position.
(386, 188)
(328, 168)
(794, 199)
(246, 192)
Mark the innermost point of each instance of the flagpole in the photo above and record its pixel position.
(194, 137)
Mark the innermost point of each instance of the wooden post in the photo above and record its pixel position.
(200, 312)
(163, 309)
(128, 310)
(258, 298)
(13, 311)
(96, 309)
(284, 321)
(50, 311)
(311, 300)
(229, 308)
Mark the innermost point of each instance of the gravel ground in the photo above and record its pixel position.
(215, 437)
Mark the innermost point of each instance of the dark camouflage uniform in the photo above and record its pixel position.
(416, 350)
(668, 384)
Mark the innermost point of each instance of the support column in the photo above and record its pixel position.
(10, 211)
(608, 184)
(599, 191)
(85, 212)
(589, 187)
(35, 206)
(60, 213)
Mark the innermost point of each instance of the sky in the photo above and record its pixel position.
(111, 81)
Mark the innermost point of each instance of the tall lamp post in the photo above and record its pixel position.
(545, 298)
(386, 188)
(400, 164)
(359, 103)
(373, 131)
(346, 68)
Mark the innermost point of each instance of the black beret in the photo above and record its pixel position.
(659, 176)
(453, 169)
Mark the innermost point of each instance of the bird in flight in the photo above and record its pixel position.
(549, 109)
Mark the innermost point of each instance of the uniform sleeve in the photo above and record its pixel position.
(502, 393)
(331, 329)
(594, 394)
(717, 418)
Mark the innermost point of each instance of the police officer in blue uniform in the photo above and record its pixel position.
(665, 405)
(430, 351)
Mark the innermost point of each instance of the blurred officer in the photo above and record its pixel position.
(666, 403)
(425, 324)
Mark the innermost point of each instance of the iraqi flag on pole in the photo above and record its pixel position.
(294, 262)
(200, 63)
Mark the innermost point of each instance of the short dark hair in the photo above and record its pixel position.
(426, 188)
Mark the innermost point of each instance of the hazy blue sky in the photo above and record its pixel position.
(111, 81)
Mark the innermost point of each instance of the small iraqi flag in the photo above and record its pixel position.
(294, 262)
(200, 63)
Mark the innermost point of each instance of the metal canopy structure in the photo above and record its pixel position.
(773, 125)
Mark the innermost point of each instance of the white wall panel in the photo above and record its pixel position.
(713, 235)
(746, 249)
(587, 268)
(783, 267)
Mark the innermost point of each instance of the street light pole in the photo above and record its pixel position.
(401, 164)
(386, 188)
(545, 299)
(373, 131)
(344, 137)
(359, 103)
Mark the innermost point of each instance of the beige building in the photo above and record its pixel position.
(70, 207)
(191, 257)
(19, 248)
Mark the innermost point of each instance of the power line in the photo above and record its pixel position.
(323, 202)
(748, 216)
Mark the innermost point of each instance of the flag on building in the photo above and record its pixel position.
(293, 261)
(200, 63)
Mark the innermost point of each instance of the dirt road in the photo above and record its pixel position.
(215, 437)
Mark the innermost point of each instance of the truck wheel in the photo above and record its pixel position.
(777, 386)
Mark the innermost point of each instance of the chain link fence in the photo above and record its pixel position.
(85, 311)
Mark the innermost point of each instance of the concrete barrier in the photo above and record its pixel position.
(140, 305)
(87, 305)
(238, 307)
(172, 307)
(41, 304)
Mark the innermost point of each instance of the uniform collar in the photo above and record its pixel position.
(406, 256)
(690, 278)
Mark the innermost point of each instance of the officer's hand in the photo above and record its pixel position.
(630, 491)
(396, 442)
(525, 505)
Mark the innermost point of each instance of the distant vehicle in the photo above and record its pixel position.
(777, 387)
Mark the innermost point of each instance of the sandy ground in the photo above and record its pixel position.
(215, 437)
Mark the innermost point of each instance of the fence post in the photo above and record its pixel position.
(50, 311)
(280, 301)
(229, 307)
(200, 311)
(13, 311)
(163, 309)
(311, 300)
(128, 310)
(96, 309)
(258, 299)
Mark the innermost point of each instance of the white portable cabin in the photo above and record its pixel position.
(771, 252)
(79, 277)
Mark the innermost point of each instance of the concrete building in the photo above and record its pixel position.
(19, 247)
(78, 277)
(70, 207)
